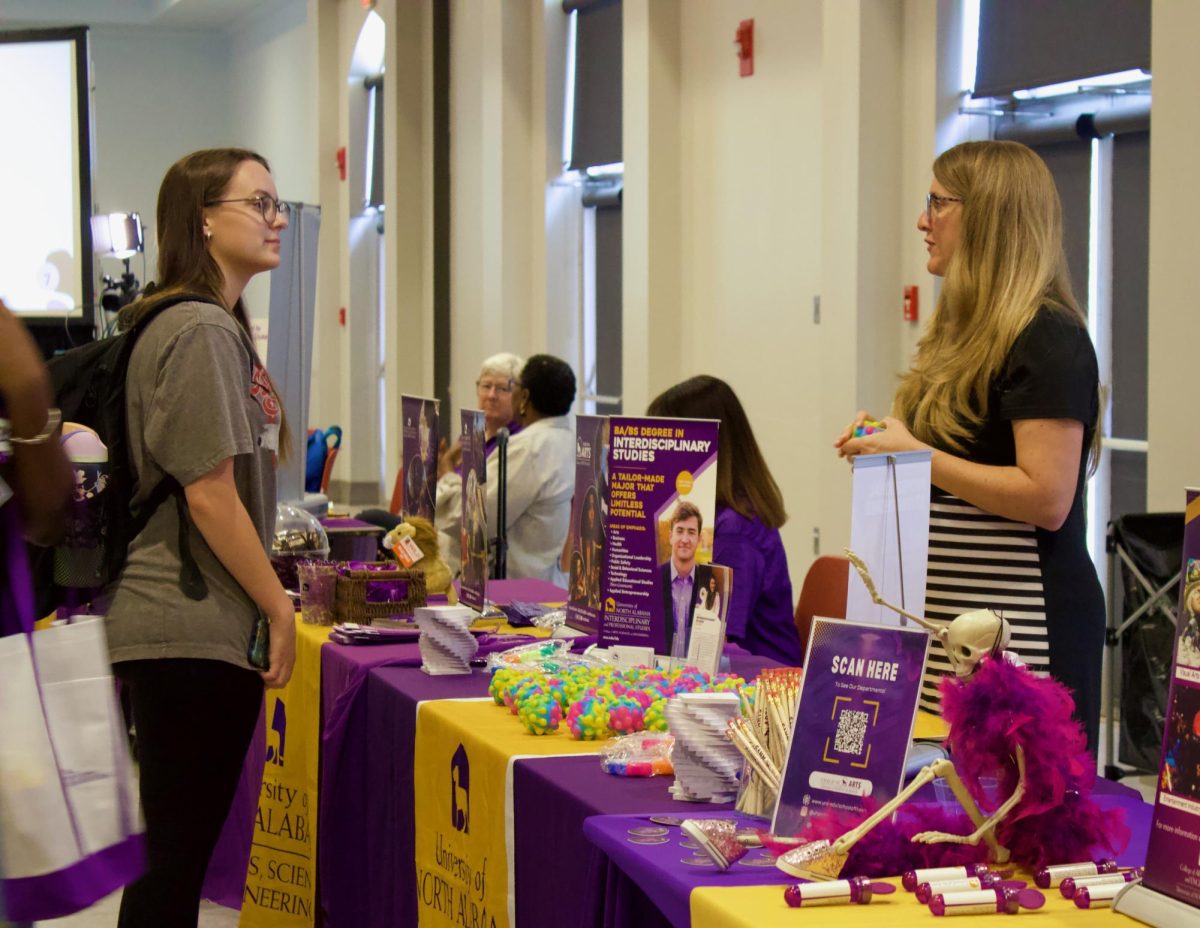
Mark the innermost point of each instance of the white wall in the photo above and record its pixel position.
(148, 114)
(750, 173)
(1174, 459)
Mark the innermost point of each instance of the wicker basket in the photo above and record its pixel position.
(351, 605)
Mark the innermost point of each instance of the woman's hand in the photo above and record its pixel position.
(219, 514)
(283, 646)
(848, 432)
(892, 438)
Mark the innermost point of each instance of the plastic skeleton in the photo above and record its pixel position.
(967, 639)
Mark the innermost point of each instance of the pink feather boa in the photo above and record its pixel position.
(998, 707)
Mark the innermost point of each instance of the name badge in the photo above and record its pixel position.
(268, 438)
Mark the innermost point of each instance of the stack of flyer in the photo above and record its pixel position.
(706, 763)
(446, 642)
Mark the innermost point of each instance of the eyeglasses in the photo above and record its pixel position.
(269, 208)
(488, 386)
(935, 204)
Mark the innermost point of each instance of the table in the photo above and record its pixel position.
(348, 797)
(551, 798)
(266, 860)
(639, 878)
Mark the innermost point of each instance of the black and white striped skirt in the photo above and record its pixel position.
(982, 561)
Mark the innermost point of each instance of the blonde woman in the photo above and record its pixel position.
(1004, 391)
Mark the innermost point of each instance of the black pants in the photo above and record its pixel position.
(194, 721)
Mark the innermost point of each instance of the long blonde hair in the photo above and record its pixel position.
(1009, 262)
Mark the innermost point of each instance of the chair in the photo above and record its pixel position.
(319, 458)
(823, 594)
(328, 469)
(1145, 559)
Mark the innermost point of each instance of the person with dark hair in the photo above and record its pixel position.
(679, 579)
(35, 475)
(541, 472)
(202, 410)
(749, 515)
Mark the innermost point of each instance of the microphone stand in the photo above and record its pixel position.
(501, 567)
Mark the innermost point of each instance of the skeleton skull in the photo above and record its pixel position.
(973, 635)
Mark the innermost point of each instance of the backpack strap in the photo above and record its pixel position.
(191, 580)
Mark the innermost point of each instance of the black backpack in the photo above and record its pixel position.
(89, 387)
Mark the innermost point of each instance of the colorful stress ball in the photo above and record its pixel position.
(540, 713)
(656, 716)
(625, 716)
(588, 719)
(496, 685)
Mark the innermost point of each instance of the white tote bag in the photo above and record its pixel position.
(68, 795)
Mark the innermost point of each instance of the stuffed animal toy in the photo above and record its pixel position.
(437, 572)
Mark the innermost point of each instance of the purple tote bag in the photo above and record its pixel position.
(68, 795)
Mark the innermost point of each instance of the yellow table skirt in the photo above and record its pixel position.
(761, 906)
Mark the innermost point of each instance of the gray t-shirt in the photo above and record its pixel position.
(196, 395)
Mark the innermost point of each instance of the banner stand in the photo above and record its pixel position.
(1154, 908)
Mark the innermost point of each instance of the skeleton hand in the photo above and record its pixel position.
(941, 837)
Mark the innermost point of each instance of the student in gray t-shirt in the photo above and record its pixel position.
(201, 409)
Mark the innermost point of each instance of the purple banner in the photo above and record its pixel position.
(1174, 848)
(858, 699)
(420, 434)
(474, 532)
(588, 513)
(661, 509)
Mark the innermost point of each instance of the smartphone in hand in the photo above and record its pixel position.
(258, 653)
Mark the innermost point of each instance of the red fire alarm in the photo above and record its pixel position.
(911, 303)
(341, 162)
(744, 40)
(341, 315)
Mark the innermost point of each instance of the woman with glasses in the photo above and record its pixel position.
(1004, 391)
(494, 396)
(201, 411)
(541, 472)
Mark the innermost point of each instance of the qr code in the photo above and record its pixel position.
(851, 732)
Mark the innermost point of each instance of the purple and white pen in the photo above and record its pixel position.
(986, 902)
(912, 878)
(1052, 876)
(854, 891)
(1096, 897)
(1072, 884)
(926, 891)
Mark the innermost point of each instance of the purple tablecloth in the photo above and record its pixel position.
(368, 850)
(382, 891)
(347, 800)
(637, 879)
(552, 796)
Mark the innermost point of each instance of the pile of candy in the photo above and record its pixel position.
(596, 702)
(641, 754)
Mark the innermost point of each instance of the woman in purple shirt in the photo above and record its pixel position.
(749, 514)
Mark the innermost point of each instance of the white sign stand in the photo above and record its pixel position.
(1153, 908)
(889, 530)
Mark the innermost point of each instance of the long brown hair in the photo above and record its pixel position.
(184, 262)
(1009, 262)
(744, 482)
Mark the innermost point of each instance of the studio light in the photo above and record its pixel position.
(118, 235)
